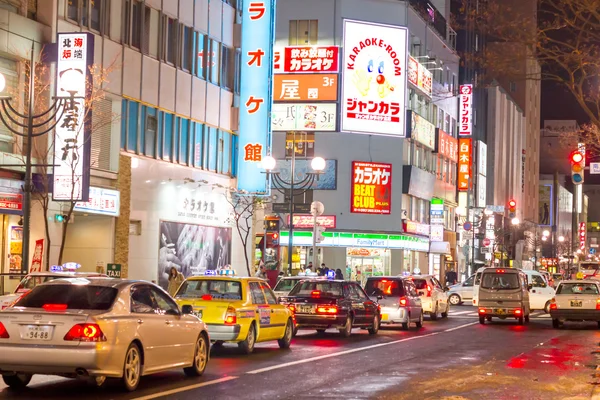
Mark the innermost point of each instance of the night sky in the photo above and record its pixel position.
(559, 103)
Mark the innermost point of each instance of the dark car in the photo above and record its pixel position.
(323, 304)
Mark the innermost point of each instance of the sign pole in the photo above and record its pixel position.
(314, 241)
(291, 205)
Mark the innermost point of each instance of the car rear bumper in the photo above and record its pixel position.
(304, 321)
(576, 315)
(99, 360)
(427, 304)
(501, 312)
(223, 332)
(394, 315)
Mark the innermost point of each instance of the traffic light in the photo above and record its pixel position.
(319, 238)
(275, 239)
(577, 167)
(272, 225)
(512, 209)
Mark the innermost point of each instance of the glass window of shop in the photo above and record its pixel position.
(362, 263)
(410, 265)
(301, 256)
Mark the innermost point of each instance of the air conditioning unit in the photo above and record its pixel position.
(235, 118)
(237, 36)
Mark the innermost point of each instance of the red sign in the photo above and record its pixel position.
(371, 188)
(306, 221)
(582, 235)
(487, 242)
(447, 145)
(465, 150)
(36, 261)
(416, 228)
(420, 76)
(307, 59)
(11, 201)
(465, 122)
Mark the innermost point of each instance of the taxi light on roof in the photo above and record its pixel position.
(315, 293)
(54, 307)
(210, 272)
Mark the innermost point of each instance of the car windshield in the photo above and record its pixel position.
(327, 289)
(384, 287)
(218, 289)
(477, 278)
(32, 281)
(589, 266)
(577, 288)
(469, 282)
(420, 283)
(537, 281)
(285, 285)
(78, 297)
(500, 281)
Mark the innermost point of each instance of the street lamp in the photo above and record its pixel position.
(561, 239)
(516, 221)
(546, 232)
(295, 188)
(35, 123)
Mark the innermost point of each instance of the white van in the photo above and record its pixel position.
(476, 283)
(540, 292)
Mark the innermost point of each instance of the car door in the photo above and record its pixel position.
(279, 314)
(370, 307)
(263, 312)
(151, 326)
(466, 289)
(414, 301)
(538, 296)
(183, 334)
(358, 304)
(442, 296)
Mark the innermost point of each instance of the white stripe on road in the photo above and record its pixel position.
(186, 388)
(459, 312)
(341, 353)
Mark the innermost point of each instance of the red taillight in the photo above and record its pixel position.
(85, 333)
(327, 310)
(315, 294)
(518, 311)
(206, 297)
(54, 307)
(384, 281)
(230, 317)
(482, 311)
(428, 291)
(553, 306)
(598, 304)
(3, 332)
(500, 271)
(403, 301)
(292, 308)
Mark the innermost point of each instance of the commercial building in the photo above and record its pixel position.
(388, 232)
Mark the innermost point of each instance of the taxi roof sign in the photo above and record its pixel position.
(56, 268)
(71, 265)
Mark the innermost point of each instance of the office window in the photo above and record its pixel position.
(304, 32)
(150, 132)
(212, 148)
(73, 10)
(201, 55)
(171, 40)
(168, 134)
(236, 74)
(227, 67)
(184, 137)
(198, 148)
(215, 62)
(187, 48)
(88, 13)
(132, 128)
(151, 32)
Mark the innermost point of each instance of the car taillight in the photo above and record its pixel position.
(403, 301)
(315, 294)
(54, 307)
(428, 291)
(230, 317)
(3, 332)
(85, 333)
(482, 311)
(327, 309)
(518, 311)
(598, 304)
(292, 308)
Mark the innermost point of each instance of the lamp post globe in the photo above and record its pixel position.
(561, 239)
(546, 232)
(318, 163)
(516, 221)
(268, 163)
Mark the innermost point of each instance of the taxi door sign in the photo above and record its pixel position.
(264, 316)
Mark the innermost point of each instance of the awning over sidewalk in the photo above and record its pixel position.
(439, 248)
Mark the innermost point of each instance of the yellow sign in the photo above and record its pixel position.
(579, 275)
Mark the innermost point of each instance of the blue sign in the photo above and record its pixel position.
(71, 265)
(254, 133)
(331, 274)
(592, 251)
(56, 268)
(210, 272)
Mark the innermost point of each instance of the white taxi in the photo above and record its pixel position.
(576, 300)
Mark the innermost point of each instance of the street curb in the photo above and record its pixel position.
(596, 389)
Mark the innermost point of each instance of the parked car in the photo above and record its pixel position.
(287, 283)
(98, 328)
(323, 304)
(461, 292)
(434, 298)
(398, 298)
(576, 300)
(503, 293)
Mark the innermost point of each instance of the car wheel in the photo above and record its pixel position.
(132, 368)
(434, 314)
(321, 331)
(482, 320)
(286, 340)
(445, 313)
(17, 381)
(346, 331)
(375, 327)
(547, 307)
(521, 320)
(555, 323)
(218, 343)
(247, 346)
(454, 299)
(405, 326)
(200, 358)
(527, 318)
(295, 332)
(420, 321)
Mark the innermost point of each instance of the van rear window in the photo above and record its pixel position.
(384, 287)
(499, 281)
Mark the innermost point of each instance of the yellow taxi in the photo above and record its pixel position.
(242, 310)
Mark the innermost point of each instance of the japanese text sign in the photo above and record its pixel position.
(371, 188)
(374, 79)
(582, 235)
(101, 201)
(420, 130)
(11, 201)
(465, 151)
(72, 140)
(254, 135)
(305, 87)
(465, 118)
(304, 117)
(447, 146)
(416, 228)
(307, 59)
(306, 221)
(420, 77)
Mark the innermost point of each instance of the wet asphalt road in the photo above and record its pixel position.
(449, 357)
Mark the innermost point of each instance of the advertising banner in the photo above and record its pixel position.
(371, 188)
(38, 255)
(446, 145)
(254, 134)
(101, 201)
(374, 79)
(420, 77)
(304, 117)
(482, 158)
(420, 130)
(307, 59)
(306, 221)
(72, 137)
(305, 87)
(546, 216)
(11, 201)
(582, 235)
(465, 123)
(465, 167)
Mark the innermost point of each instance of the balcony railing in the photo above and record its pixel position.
(436, 20)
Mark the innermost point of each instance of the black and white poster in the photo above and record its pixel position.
(192, 249)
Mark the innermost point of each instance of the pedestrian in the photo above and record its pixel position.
(451, 277)
(176, 278)
(338, 274)
(262, 271)
(309, 268)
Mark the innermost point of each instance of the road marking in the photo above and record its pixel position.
(459, 312)
(186, 388)
(341, 353)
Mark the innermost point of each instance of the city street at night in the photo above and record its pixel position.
(449, 358)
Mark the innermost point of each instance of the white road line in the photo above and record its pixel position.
(186, 388)
(341, 353)
(459, 312)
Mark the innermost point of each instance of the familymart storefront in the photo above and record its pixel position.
(358, 255)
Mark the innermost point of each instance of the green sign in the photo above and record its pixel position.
(113, 270)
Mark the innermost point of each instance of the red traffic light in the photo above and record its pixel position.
(512, 204)
(576, 157)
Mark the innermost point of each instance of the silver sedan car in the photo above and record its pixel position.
(461, 292)
(97, 328)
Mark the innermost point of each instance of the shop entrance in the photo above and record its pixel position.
(363, 263)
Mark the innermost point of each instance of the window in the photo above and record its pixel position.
(500, 281)
(214, 62)
(513, 87)
(202, 55)
(151, 31)
(164, 304)
(227, 67)
(258, 296)
(88, 13)
(184, 137)
(73, 10)
(150, 135)
(171, 40)
(80, 297)
(384, 287)
(304, 32)
(168, 134)
(217, 289)
(187, 48)
(271, 299)
(326, 289)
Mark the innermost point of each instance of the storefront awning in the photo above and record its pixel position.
(439, 248)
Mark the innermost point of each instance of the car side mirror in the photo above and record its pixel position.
(529, 287)
(187, 309)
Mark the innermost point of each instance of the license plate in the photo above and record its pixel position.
(306, 309)
(36, 332)
(384, 317)
(499, 310)
(198, 313)
(576, 303)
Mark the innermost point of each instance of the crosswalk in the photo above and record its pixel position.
(458, 313)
